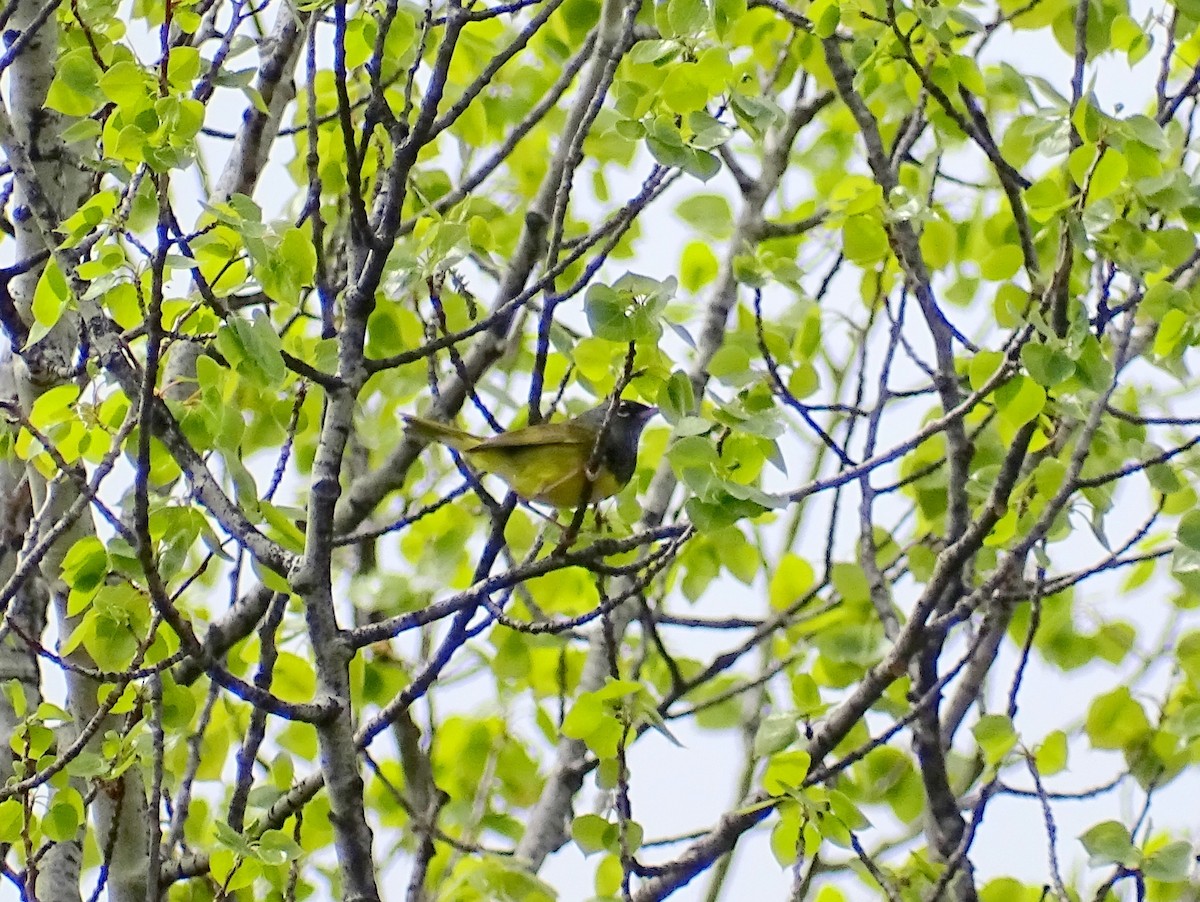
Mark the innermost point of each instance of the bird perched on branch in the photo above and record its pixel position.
(548, 463)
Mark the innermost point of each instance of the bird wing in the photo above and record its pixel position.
(540, 435)
(433, 431)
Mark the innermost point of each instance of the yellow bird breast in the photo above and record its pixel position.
(548, 474)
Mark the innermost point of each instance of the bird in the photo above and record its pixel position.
(548, 463)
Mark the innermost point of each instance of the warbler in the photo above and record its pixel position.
(548, 463)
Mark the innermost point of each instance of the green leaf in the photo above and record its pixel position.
(33, 740)
(1045, 197)
(609, 875)
(183, 66)
(1185, 567)
(850, 583)
(681, 92)
(1172, 332)
(731, 364)
(95, 210)
(1005, 889)
(1047, 365)
(793, 577)
(786, 771)
(982, 367)
(254, 348)
(726, 15)
(654, 52)
(996, 736)
(1170, 864)
(708, 214)
(12, 819)
(707, 132)
(1020, 400)
(1109, 843)
(179, 706)
(85, 565)
(14, 692)
(1051, 755)
(754, 113)
(615, 689)
(62, 821)
(1177, 245)
(826, 15)
(864, 240)
(1149, 132)
(847, 812)
(127, 85)
(1109, 175)
(629, 310)
(590, 721)
(687, 17)
(1116, 721)
(1187, 653)
(74, 89)
(698, 266)
(1092, 367)
(806, 695)
(775, 733)
(700, 164)
(283, 523)
(1163, 476)
(676, 399)
(1001, 263)
(49, 298)
(738, 555)
(232, 839)
(276, 847)
(787, 840)
(593, 833)
(291, 266)
(295, 678)
(1188, 531)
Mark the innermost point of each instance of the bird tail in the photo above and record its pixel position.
(424, 430)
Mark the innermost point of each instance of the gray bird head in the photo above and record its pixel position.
(620, 447)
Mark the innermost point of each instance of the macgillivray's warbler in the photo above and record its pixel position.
(548, 462)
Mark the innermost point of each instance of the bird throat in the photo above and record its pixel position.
(619, 455)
